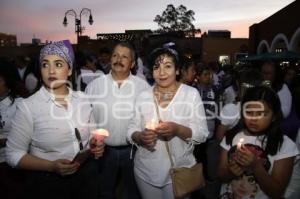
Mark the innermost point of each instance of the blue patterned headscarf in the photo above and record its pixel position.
(62, 49)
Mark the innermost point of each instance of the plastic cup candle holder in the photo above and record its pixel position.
(151, 125)
(100, 135)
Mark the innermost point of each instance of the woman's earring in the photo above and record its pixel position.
(177, 72)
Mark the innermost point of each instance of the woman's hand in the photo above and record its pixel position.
(97, 147)
(146, 139)
(64, 167)
(167, 130)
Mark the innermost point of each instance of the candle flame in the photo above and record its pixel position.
(239, 145)
(102, 132)
(151, 125)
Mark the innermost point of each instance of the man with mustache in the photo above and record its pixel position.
(113, 97)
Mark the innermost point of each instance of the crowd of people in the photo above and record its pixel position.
(241, 122)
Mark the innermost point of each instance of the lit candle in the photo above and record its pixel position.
(100, 135)
(239, 144)
(151, 125)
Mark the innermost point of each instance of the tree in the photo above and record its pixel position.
(176, 19)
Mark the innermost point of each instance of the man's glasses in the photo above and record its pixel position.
(78, 137)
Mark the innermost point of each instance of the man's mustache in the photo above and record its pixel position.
(118, 63)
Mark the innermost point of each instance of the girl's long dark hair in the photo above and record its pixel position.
(273, 136)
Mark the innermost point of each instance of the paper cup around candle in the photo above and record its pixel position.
(151, 125)
(100, 134)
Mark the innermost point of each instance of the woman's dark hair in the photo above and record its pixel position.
(156, 53)
(10, 77)
(186, 63)
(273, 136)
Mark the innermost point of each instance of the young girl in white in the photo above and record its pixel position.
(257, 159)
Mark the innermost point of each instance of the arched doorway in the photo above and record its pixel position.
(263, 47)
(295, 41)
(279, 43)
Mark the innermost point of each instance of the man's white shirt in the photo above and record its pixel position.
(113, 105)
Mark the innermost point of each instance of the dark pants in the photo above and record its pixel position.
(115, 165)
(208, 153)
(82, 184)
(12, 182)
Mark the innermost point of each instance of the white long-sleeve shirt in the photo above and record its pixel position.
(7, 112)
(186, 108)
(113, 105)
(88, 76)
(46, 129)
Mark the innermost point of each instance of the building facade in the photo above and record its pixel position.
(7, 40)
(279, 32)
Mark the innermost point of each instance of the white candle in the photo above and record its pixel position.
(100, 134)
(151, 125)
(239, 144)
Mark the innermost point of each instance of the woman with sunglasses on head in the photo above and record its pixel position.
(168, 113)
(50, 128)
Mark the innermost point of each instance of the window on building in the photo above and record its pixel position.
(224, 59)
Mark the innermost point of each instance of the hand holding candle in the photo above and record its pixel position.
(151, 125)
(97, 141)
(148, 137)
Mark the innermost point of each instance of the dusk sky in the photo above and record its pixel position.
(43, 19)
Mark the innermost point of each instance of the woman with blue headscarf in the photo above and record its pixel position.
(50, 128)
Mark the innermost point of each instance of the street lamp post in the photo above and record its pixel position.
(78, 28)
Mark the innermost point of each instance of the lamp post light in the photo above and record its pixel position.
(78, 28)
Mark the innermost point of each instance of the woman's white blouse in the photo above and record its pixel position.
(46, 129)
(186, 109)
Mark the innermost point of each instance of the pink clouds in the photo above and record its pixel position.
(44, 18)
(238, 28)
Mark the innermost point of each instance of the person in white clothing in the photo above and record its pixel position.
(229, 95)
(88, 68)
(257, 159)
(112, 97)
(50, 128)
(180, 122)
(272, 73)
(230, 113)
(12, 180)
